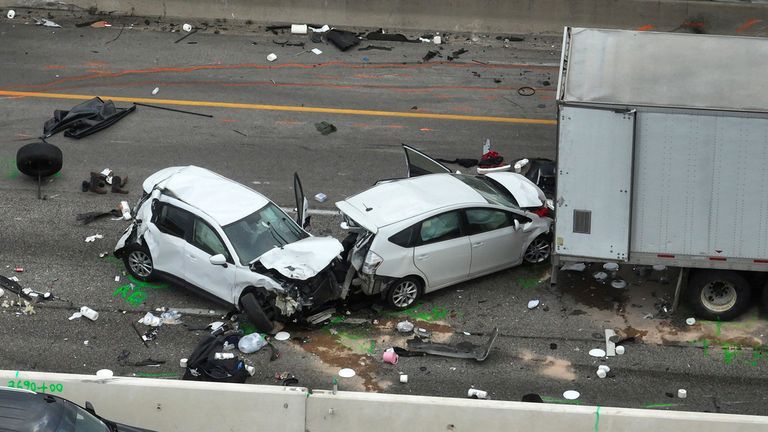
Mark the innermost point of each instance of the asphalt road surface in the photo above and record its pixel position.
(262, 131)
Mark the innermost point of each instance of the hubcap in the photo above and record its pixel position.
(538, 251)
(140, 263)
(404, 293)
(719, 296)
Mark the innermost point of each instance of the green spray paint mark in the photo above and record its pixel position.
(528, 282)
(597, 419)
(247, 327)
(9, 168)
(662, 405)
(155, 374)
(560, 401)
(134, 293)
(371, 347)
(416, 313)
(730, 353)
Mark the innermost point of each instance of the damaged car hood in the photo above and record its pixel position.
(526, 193)
(302, 259)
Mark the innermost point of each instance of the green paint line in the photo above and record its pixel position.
(155, 374)
(717, 327)
(662, 405)
(597, 419)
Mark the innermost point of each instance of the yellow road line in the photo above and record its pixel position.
(374, 113)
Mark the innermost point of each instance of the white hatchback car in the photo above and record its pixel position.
(436, 228)
(206, 232)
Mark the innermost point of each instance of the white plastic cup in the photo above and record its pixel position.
(601, 373)
(89, 313)
(187, 27)
(620, 349)
(682, 393)
(605, 368)
(404, 378)
(251, 370)
(11, 14)
(437, 40)
(299, 29)
(477, 394)
(183, 363)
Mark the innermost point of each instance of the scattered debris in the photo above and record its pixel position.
(619, 283)
(271, 57)
(437, 40)
(46, 22)
(577, 267)
(320, 197)
(474, 393)
(316, 51)
(610, 346)
(85, 119)
(422, 332)
(151, 320)
(346, 373)
(620, 349)
(464, 350)
(172, 109)
(150, 335)
(404, 378)
(325, 128)
(342, 39)
(11, 14)
(597, 352)
(600, 276)
(682, 393)
(100, 24)
(690, 321)
(571, 394)
(275, 28)
(455, 55)
(155, 90)
(526, 91)
(187, 27)
(93, 238)
(18, 269)
(393, 37)
(533, 304)
(375, 47)
(601, 373)
(139, 334)
(430, 55)
(282, 336)
(171, 317)
(404, 326)
(89, 217)
(389, 356)
(251, 343)
(299, 29)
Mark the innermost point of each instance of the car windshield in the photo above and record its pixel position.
(80, 420)
(488, 189)
(267, 228)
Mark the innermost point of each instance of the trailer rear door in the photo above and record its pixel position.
(594, 182)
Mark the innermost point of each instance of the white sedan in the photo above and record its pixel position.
(436, 228)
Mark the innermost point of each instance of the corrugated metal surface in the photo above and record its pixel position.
(594, 175)
(701, 185)
(667, 69)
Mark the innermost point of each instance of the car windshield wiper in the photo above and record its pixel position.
(276, 235)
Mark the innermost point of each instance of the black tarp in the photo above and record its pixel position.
(85, 119)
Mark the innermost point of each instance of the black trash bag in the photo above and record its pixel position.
(203, 366)
(85, 119)
(342, 39)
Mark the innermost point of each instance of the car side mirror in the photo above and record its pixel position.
(517, 225)
(89, 408)
(219, 259)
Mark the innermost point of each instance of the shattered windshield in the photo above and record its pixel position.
(267, 228)
(488, 189)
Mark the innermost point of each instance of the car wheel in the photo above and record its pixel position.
(718, 294)
(256, 314)
(404, 293)
(538, 251)
(138, 262)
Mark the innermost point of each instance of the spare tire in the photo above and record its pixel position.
(256, 314)
(39, 159)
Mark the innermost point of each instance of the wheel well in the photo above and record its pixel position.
(418, 278)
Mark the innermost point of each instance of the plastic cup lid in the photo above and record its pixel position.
(690, 321)
(610, 266)
(346, 373)
(281, 336)
(619, 284)
(597, 352)
(571, 394)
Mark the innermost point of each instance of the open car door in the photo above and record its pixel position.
(418, 163)
(302, 205)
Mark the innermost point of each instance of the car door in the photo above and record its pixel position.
(495, 240)
(203, 243)
(442, 250)
(418, 163)
(302, 204)
(168, 230)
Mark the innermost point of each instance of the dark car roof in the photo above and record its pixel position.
(23, 411)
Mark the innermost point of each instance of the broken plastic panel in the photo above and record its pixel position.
(85, 119)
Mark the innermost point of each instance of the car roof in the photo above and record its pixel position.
(402, 199)
(25, 411)
(224, 200)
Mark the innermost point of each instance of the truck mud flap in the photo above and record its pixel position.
(465, 350)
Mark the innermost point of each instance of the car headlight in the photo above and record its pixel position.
(372, 262)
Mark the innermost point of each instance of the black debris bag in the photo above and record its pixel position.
(342, 39)
(85, 119)
(202, 364)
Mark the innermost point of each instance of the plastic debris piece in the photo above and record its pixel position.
(404, 378)
(187, 27)
(610, 267)
(89, 313)
(75, 316)
(321, 197)
(601, 373)
(605, 368)
(155, 90)
(404, 326)
(620, 349)
(93, 238)
(104, 373)
(619, 284)
(597, 352)
(251, 343)
(682, 393)
(316, 51)
(46, 23)
(171, 317)
(14, 278)
(282, 336)
(18, 269)
(151, 320)
(600, 276)
(437, 40)
(325, 128)
(100, 24)
(322, 29)
(690, 321)
(390, 356)
(11, 14)
(474, 393)
(578, 267)
(346, 373)
(533, 304)
(299, 29)
(571, 394)
(659, 267)
(271, 57)
(610, 346)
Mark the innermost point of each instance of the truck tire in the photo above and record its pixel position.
(718, 294)
(256, 314)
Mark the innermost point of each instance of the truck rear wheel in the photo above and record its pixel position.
(718, 294)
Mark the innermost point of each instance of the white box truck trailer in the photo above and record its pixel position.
(662, 158)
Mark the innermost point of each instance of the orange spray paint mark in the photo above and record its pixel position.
(228, 120)
(425, 129)
(647, 27)
(54, 67)
(744, 27)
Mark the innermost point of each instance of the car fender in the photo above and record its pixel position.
(248, 278)
(536, 232)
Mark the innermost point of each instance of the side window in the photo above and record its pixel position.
(173, 221)
(440, 228)
(405, 237)
(205, 238)
(484, 220)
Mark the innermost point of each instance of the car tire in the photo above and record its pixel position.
(39, 159)
(256, 314)
(718, 294)
(539, 250)
(403, 293)
(138, 262)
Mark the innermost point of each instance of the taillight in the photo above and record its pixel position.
(542, 211)
(372, 262)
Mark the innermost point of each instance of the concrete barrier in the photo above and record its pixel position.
(170, 405)
(492, 16)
